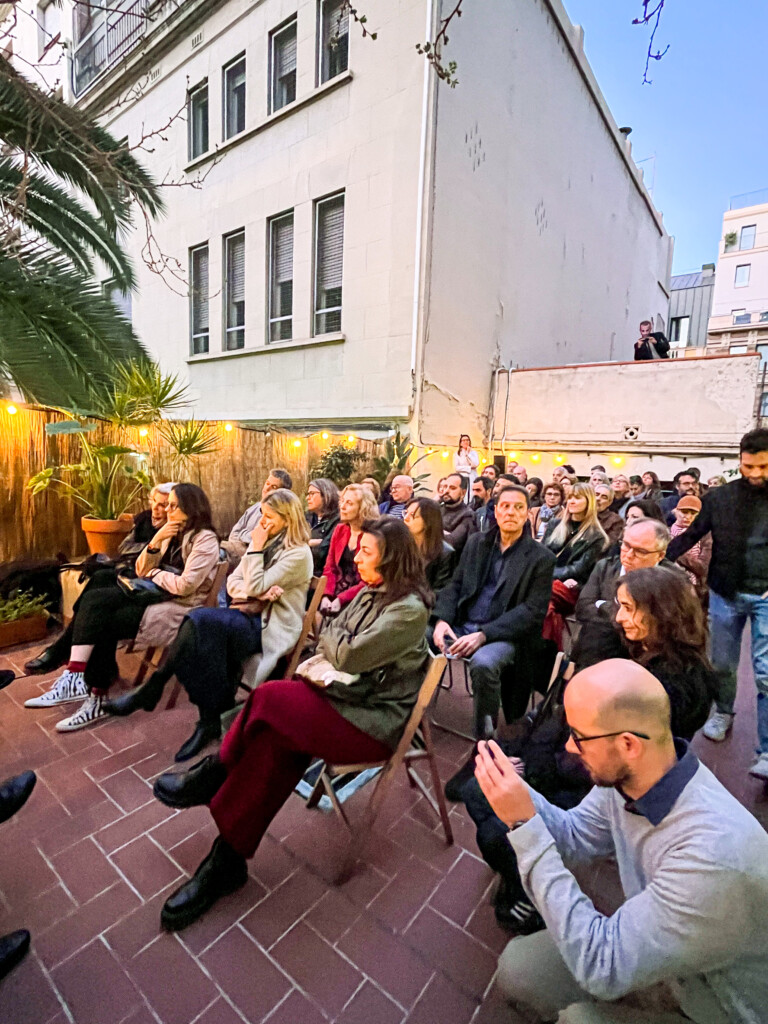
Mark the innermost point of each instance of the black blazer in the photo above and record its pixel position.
(576, 558)
(519, 605)
(440, 569)
(727, 513)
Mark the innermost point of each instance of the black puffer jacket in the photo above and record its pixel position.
(576, 558)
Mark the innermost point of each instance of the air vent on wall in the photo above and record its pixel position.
(154, 74)
(631, 433)
(197, 39)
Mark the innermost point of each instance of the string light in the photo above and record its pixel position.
(617, 460)
(483, 461)
(228, 427)
(351, 438)
(324, 435)
(444, 455)
(536, 457)
(559, 459)
(11, 410)
(143, 432)
(297, 444)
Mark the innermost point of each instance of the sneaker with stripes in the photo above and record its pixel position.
(90, 711)
(68, 687)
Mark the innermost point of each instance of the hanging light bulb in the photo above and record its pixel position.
(351, 438)
(297, 443)
(444, 455)
(11, 410)
(143, 432)
(536, 457)
(324, 435)
(228, 427)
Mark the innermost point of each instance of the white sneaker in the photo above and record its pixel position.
(68, 687)
(760, 768)
(89, 712)
(717, 726)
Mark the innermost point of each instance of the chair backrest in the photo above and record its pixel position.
(426, 692)
(219, 579)
(318, 586)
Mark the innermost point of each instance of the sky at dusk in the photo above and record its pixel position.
(704, 116)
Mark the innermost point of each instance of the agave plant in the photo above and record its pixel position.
(188, 440)
(396, 459)
(140, 393)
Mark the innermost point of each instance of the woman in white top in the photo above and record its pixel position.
(466, 461)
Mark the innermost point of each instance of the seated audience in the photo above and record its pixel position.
(690, 942)
(240, 535)
(534, 488)
(652, 484)
(716, 481)
(696, 560)
(356, 505)
(377, 649)
(643, 508)
(520, 473)
(611, 522)
(636, 486)
(145, 526)
(662, 628)
(268, 590)
(486, 517)
(598, 476)
(482, 487)
(568, 481)
(491, 472)
(372, 485)
(643, 546)
(551, 509)
(458, 519)
(175, 572)
(424, 520)
(685, 483)
(492, 610)
(577, 540)
(323, 518)
(621, 495)
(400, 493)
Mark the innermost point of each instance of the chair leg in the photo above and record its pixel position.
(174, 696)
(317, 791)
(146, 661)
(436, 783)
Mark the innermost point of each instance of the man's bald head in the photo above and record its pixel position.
(618, 696)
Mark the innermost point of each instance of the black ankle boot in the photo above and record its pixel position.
(145, 698)
(192, 788)
(13, 949)
(206, 730)
(223, 871)
(15, 792)
(51, 658)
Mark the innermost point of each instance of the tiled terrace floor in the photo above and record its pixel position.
(88, 862)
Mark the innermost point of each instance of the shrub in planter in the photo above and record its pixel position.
(23, 617)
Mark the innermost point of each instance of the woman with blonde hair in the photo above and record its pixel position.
(356, 505)
(373, 485)
(578, 540)
(268, 590)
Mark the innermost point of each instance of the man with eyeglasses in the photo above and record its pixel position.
(643, 546)
(690, 941)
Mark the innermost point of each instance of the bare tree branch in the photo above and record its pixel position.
(652, 10)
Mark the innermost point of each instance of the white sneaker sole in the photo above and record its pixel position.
(40, 702)
(64, 725)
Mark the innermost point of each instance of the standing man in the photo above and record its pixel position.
(736, 515)
(400, 493)
(651, 344)
(685, 484)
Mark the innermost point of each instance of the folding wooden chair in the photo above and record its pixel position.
(154, 656)
(405, 755)
(451, 664)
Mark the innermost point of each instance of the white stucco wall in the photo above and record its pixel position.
(362, 136)
(545, 248)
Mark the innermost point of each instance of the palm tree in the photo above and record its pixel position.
(67, 191)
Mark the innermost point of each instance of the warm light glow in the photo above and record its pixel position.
(297, 444)
(351, 438)
(444, 454)
(483, 461)
(617, 460)
(227, 426)
(535, 457)
(11, 410)
(559, 459)
(325, 435)
(268, 434)
(512, 455)
(430, 451)
(143, 432)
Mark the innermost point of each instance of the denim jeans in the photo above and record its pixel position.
(726, 626)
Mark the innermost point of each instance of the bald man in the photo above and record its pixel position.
(401, 492)
(690, 942)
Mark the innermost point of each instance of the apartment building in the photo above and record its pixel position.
(690, 305)
(347, 242)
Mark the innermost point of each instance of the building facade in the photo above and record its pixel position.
(690, 306)
(346, 241)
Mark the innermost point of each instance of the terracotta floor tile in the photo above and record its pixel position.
(146, 867)
(70, 934)
(109, 764)
(138, 928)
(132, 825)
(272, 863)
(368, 1005)
(235, 961)
(468, 964)
(172, 981)
(39, 913)
(442, 1003)
(95, 987)
(221, 917)
(410, 889)
(278, 911)
(317, 968)
(483, 927)
(180, 825)
(430, 846)
(394, 965)
(221, 1012)
(127, 790)
(333, 915)
(26, 995)
(462, 889)
(297, 1009)
(61, 837)
(85, 870)
(23, 872)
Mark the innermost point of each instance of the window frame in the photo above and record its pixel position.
(272, 221)
(274, 35)
(44, 35)
(191, 96)
(237, 328)
(193, 250)
(673, 323)
(226, 70)
(317, 312)
(319, 72)
(742, 266)
(747, 227)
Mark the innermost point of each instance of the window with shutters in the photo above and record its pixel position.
(197, 120)
(333, 56)
(234, 291)
(329, 263)
(282, 60)
(281, 277)
(198, 300)
(234, 98)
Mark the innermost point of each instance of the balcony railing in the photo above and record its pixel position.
(115, 34)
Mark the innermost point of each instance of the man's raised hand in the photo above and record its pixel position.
(505, 791)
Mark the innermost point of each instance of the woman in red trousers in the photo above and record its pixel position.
(379, 642)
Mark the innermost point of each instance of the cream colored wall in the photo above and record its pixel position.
(545, 248)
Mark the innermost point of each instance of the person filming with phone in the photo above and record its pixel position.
(690, 940)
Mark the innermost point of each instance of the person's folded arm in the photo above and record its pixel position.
(579, 568)
(692, 917)
(591, 593)
(200, 564)
(291, 568)
(398, 629)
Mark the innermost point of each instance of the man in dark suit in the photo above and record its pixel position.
(651, 344)
(495, 604)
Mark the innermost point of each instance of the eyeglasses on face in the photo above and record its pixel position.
(640, 552)
(578, 740)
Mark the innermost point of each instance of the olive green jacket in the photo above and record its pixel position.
(385, 645)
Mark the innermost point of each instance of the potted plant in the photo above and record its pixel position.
(23, 617)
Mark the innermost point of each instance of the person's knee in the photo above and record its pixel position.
(519, 977)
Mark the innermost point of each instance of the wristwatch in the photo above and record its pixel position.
(152, 551)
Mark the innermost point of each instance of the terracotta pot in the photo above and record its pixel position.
(22, 631)
(105, 536)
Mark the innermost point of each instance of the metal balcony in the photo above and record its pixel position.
(116, 32)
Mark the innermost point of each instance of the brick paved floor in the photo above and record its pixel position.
(89, 861)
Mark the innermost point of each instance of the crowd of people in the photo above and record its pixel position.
(501, 572)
